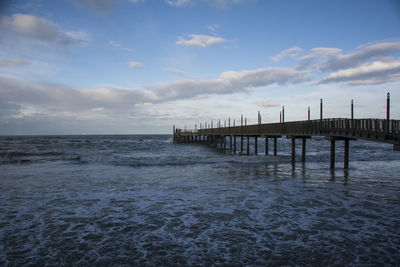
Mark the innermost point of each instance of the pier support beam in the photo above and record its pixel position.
(266, 145)
(346, 153)
(303, 150)
(234, 144)
(275, 145)
(241, 144)
(346, 150)
(248, 145)
(230, 142)
(255, 145)
(332, 154)
(293, 150)
(224, 140)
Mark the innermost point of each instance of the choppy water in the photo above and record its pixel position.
(142, 200)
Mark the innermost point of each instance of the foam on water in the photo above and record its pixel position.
(142, 200)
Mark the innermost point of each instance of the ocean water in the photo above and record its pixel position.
(143, 200)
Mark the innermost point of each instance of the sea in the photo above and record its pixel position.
(142, 200)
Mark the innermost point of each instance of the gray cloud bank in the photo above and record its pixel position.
(40, 29)
(371, 64)
(13, 90)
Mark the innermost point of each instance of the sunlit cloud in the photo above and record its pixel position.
(200, 40)
(288, 53)
(13, 62)
(268, 104)
(360, 55)
(135, 65)
(41, 29)
(214, 3)
(376, 72)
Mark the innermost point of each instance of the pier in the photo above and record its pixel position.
(333, 129)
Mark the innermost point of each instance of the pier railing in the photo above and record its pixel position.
(375, 129)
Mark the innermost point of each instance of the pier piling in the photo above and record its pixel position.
(379, 130)
(255, 145)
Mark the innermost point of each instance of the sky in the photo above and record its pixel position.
(142, 66)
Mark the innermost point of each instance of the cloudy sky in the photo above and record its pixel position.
(140, 66)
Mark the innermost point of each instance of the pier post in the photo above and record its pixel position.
(352, 109)
(255, 145)
(308, 113)
(248, 145)
(346, 153)
(241, 144)
(224, 139)
(283, 114)
(320, 110)
(333, 154)
(303, 150)
(266, 145)
(275, 146)
(387, 112)
(230, 142)
(293, 150)
(234, 144)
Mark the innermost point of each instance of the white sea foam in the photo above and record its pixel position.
(129, 204)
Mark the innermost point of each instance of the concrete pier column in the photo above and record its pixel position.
(346, 153)
(333, 154)
(241, 144)
(234, 144)
(255, 145)
(303, 150)
(248, 145)
(293, 150)
(275, 146)
(266, 145)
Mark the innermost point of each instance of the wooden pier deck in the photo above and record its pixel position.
(378, 130)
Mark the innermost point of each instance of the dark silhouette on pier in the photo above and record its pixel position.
(379, 130)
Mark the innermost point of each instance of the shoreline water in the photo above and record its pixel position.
(126, 201)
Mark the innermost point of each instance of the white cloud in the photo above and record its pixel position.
(180, 3)
(14, 62)
(135, 65)
(369, 73)
(320, 53)
(227, 83)
(179, 72)
(119, 46)
(288, 53)
(367, 65)
(361, 55)
(199, 40)
(268, 104)
(226, 3)
(37, 28)
(54, 98)
(213, 28)
(215, 3)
